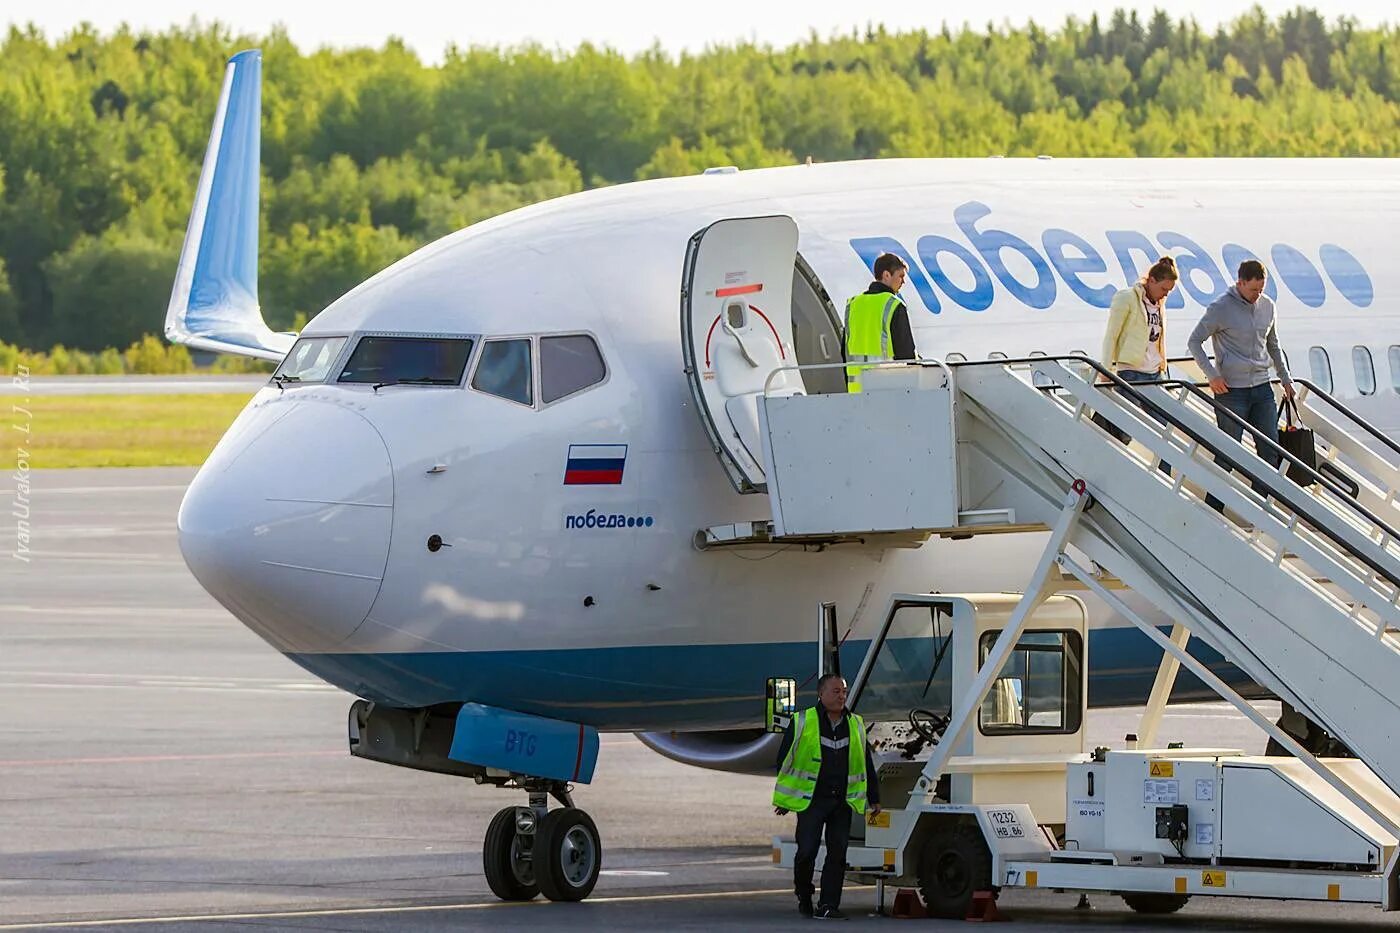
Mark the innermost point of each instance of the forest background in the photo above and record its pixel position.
(369, 154)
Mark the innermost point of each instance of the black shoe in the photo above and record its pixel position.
(829, 913)
(804, 906)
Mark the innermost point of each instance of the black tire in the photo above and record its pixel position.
(1156, 903)
(511, 877)
(568, 854)
(954, 865)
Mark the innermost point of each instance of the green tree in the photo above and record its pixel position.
(109, 289)
(369, 153)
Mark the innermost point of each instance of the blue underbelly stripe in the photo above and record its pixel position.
(684, 686)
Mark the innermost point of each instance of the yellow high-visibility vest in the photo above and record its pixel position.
(868, 333)
(797, 778)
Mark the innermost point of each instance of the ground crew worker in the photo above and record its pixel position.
(877, 323)
(824, 773)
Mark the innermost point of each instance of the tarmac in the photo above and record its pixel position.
(161, 768)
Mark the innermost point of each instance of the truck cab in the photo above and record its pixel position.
(986, 782)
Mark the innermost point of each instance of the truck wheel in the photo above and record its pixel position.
(567, 854)
(509, 871)
(954, 865)
(1154, 903)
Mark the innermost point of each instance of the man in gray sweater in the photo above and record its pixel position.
(1244, 334)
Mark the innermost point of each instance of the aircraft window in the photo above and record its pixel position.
(438, 361)
(1321, 368)
(1038, 690)
(569, 364)
(504, 370)
(1365, 371)
(1393, 354)
(309, 360)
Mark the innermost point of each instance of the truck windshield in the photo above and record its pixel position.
(408, 360)
(911, 670)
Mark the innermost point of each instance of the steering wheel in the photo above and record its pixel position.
(928, 724)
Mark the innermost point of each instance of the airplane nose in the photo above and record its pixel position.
(288, 522)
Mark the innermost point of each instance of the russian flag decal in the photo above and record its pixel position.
(595, 464)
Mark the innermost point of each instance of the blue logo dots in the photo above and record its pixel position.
(1348, 275)
(1300, 275)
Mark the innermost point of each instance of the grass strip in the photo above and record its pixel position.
(127, 430)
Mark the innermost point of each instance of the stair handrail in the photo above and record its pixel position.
(1315, 389)
(1287, 491)
(1333, 486)
(1368, 427)
(877, 364)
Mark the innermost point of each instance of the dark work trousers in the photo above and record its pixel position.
(1255, 405)
(833, 815)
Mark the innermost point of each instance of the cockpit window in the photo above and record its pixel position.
(504, 370)
(408, 360)
(569, 364)
(310, 360)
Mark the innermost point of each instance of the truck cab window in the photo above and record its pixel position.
(1038, 689)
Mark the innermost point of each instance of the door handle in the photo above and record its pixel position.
(740, 341)
(826, 351)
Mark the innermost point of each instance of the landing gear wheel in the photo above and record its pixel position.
(567, 854)
(510, 871)
(954, 865)
(1156, 903)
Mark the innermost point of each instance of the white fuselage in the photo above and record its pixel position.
(630, 627)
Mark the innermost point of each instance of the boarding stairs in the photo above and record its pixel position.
(1297, 585)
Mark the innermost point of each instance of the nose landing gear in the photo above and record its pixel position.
(534, 850)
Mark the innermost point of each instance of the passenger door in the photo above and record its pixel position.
(736, 327)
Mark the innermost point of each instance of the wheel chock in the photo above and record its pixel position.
(983, 908)
(907, 905)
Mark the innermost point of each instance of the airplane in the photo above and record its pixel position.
(476, 491)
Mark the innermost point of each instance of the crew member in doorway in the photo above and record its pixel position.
(877, 323)
(825, 775)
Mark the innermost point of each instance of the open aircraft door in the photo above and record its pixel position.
(736, 329)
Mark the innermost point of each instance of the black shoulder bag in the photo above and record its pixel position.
(1298, 441)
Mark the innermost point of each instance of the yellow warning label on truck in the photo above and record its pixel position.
(1211, 878)
(880, 820)
(1161, 769)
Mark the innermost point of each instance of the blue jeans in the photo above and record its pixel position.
(1257, 406)
(1132, 377)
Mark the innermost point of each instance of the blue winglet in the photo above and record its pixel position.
(214, 303)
